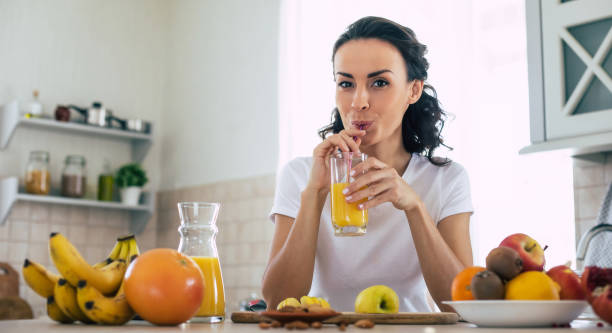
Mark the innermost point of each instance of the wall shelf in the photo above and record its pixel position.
(11, 193)
(10, 120)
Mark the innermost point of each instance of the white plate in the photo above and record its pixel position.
(501, 313)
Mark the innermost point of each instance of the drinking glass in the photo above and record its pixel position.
(347, 218)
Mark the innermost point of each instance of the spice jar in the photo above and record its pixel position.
(38, 178)
(106, 182)
(74, 177)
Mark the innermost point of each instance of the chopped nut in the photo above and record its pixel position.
(364, 323)
(342, 327)
(300, 325)
(276, 324)
(264, 325)
(316, 325)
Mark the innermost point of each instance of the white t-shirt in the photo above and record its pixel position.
(386, 253)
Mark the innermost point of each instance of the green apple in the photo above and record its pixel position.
(377, 299)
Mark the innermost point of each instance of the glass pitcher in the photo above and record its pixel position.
(198, 232)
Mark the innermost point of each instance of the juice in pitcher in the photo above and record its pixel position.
(198, 232)
(213, 303)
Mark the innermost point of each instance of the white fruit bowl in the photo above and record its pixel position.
(502, 313)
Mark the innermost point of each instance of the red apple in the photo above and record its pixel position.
(571, 288)
(528, 249)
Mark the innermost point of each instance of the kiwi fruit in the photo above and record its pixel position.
(487, 285)
(504, 262)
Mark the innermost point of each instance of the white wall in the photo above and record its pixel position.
(77, 51)
(220, 119)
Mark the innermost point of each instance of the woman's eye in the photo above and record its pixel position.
(380, 83)
(345, 84)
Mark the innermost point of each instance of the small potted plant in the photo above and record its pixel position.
(130, 180)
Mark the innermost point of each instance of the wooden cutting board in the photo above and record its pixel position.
(411, 318)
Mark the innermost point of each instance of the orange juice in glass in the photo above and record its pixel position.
(198, 232)
(347, 218)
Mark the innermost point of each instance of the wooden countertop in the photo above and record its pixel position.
(44, 325)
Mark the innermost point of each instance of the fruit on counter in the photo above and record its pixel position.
(55, 313)
(461, 289)
(104, 310)
(377, 299)
(532, 285)
(594, 279)
(74, 268)
(308, 300)
(597, 282)
(487, 285)
(602, 304)
(291, 301)
(528, 249)
(164, 287)
(505, 262)
(40, 279)
(60, 294)
(66, 299)
(571, 287)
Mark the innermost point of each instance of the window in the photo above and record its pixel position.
(477, 56)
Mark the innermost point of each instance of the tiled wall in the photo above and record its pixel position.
(92, 230)
(244, 229)
(591, 180)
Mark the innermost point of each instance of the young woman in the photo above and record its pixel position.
(419, 206)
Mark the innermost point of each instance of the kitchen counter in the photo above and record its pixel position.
(44, 324)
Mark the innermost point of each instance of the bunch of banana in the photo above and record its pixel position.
(61, 292)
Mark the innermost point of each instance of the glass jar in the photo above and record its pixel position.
(37, 177)
(198, 231)
(74, 177)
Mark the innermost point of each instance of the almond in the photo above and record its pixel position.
(364, 323)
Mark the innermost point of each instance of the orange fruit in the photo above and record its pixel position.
(532, 285)
(460, 289)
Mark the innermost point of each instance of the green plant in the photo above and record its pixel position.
(131, 175)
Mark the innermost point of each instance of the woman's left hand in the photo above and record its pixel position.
(381, 183)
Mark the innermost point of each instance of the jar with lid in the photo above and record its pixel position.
(37, 177)
(74, 177)
(198, 231)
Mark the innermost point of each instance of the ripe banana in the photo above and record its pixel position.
(74, 268)
(54, 312)
(104, 310)
(41, 280)
(113, 255)
(66, 299)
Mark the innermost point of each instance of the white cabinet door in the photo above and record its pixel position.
(577, 67)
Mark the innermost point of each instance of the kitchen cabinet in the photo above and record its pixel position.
(10, 192)
(570, 68)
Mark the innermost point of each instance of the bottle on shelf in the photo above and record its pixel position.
(106, 183)
(33, 108)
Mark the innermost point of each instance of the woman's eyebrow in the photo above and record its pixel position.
(345, 74)
(379, 72)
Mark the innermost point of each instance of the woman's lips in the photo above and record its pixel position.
(362, 125)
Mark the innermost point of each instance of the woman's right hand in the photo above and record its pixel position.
(320, 176)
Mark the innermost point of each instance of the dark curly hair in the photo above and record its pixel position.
(423, 121)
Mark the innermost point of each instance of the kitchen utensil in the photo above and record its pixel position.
(96, 115)
(139, 125)
(504, 313)
(11, 305)
(62, 113)
(595, 246)
(409, 318)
